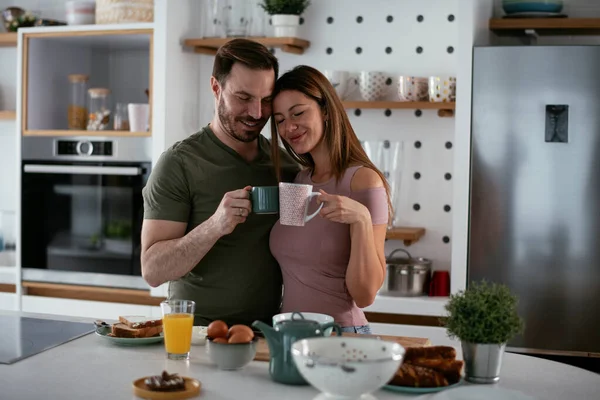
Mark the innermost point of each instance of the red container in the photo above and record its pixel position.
(440, 284)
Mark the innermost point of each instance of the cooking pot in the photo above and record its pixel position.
(406, 276)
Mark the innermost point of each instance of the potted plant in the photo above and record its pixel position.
(285, 15)
(484, 318)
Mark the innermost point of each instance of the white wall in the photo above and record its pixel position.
(54, 9)
(8, 93)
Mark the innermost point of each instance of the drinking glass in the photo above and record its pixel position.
(392, 167)
(236, 18)
(213, 14)
(178, 322)
(374, 150)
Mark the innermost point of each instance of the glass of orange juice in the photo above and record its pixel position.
(178, 321)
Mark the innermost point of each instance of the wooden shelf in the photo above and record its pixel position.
(545, 26)
(8, 39)
(7, 115)
(85, 133)
(286, 44)
(444, 109)
(407, 234)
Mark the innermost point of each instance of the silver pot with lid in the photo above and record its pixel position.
(406, 276)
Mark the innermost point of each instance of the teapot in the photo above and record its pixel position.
(280, 339)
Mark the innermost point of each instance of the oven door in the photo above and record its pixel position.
(83, 217)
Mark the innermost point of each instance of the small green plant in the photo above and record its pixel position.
(289, 7)
(485, 313)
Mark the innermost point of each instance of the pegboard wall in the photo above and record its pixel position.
(397, 37)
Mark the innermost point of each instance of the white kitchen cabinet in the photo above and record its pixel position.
(114, 57)
(9, 301)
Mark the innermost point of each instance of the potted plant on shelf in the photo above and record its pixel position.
(484, 318)
(285, 15)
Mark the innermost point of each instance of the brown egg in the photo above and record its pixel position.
(240, 337)
(241, 329)
(217, 329)
(220, 340)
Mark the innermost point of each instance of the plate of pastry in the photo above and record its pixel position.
(427, 370)
(166, 387)
(131, 330)
(199, 334)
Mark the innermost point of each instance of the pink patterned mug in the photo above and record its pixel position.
(294, 199)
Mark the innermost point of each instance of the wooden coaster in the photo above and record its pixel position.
(192, 389)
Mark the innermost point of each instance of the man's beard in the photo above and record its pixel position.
(228, 122)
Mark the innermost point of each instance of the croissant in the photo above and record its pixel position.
(445, 352)
(451, 369)
(415, 376)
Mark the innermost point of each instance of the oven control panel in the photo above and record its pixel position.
(84, 148)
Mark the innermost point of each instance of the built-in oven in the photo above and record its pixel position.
(82, 206)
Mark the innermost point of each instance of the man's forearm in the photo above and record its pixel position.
(171, 259)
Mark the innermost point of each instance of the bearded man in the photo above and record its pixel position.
(199, 233)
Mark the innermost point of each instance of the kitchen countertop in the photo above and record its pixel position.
(423, 305)
(92, 368)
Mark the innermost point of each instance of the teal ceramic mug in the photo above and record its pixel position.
(265, 199)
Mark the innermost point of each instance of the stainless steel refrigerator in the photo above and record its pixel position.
(535, 190)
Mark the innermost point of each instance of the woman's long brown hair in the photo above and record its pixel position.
(344, 147)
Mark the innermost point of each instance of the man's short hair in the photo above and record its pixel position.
(247, 52)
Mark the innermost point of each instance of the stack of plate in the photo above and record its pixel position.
(532, 8)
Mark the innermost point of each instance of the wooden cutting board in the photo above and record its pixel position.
(262, 348)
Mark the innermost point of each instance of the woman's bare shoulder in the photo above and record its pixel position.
(365, 178)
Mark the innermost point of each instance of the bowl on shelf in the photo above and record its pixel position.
(231, 356)
(347, 367)
(532, 6)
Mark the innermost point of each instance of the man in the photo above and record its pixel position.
(199, 233)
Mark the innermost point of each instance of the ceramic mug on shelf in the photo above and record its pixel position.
(139, 117)
(442, 89)
(372, 85)
(294, 199)
(413, 88)
(342, 82)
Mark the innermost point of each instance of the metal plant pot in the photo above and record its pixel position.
(482, 362)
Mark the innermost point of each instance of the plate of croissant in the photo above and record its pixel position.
(427, 370)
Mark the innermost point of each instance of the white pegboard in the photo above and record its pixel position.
(431, 25)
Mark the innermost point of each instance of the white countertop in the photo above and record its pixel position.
(91, 368)
(424, 305)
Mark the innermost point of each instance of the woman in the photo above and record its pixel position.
(335, 264)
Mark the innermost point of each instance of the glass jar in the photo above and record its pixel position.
(77, 112)
(121, 117)
(99, 114)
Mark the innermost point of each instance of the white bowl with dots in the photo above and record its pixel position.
(347, 367)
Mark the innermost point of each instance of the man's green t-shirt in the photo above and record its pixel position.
(238, 280)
